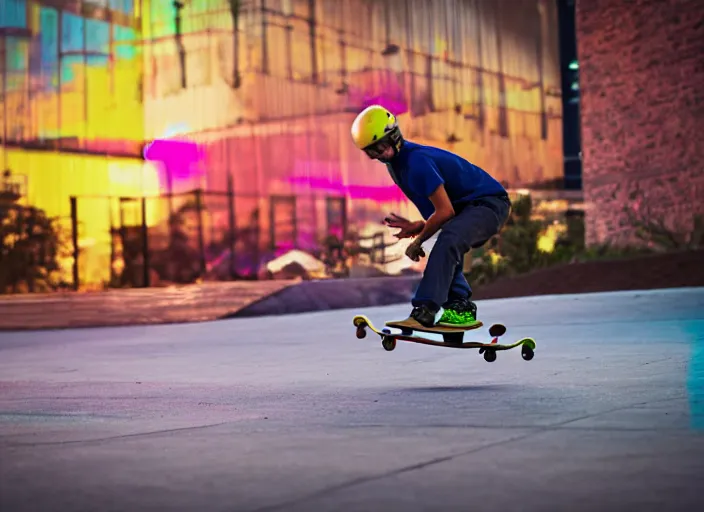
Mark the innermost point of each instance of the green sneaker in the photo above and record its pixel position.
(459, 313)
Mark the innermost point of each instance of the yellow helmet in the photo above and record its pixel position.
(374, 130)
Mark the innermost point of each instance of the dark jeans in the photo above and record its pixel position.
(471, 227)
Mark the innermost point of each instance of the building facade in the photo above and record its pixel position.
(642, 114)
(271, 102)
(256, 97)
(72, 113)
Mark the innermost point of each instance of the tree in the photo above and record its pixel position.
(31, 247)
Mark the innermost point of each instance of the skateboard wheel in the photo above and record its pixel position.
(527, 352)
(361, 332)
(388, 343)
(489, 355)
(497, 330)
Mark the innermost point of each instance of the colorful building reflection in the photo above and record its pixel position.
(130, 98)
(72, 112)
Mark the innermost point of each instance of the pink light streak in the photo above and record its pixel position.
(371, 192)
(394, 105)
(180, 157)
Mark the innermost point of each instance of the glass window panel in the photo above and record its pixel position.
(97, 36)
(125, 6)
(125, 39)
(72, 28)
(13, 13)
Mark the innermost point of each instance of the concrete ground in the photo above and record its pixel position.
(295, 413)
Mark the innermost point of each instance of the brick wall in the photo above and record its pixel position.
(642, 83)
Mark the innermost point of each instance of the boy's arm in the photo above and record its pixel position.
(444, 211)
(425, 180)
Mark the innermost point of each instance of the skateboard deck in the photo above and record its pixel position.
(413, 325)
(453, 337)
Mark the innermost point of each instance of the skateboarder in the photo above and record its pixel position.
(451, 194)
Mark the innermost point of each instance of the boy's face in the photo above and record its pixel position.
(380, 151)
(387, 154)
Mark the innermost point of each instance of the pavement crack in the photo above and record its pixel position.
(521, 427)
(661, 360)
(613, 409)
(394, 472)
(438, 460)
(113, 438)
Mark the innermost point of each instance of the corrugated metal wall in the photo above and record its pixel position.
(270, 104)
(478, 77)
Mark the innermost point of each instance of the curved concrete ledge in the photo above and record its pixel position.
(143, 306)
(322, 295)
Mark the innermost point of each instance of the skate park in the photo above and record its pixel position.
(297, 414)
(187, 231)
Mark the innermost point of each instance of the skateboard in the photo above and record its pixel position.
(453, 337)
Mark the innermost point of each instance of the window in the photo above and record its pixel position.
(13, 14)
(72, 28)
(97, 37)
(123, 6)
(282, 223)
(16, 90)
(125, 41)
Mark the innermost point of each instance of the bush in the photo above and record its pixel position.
(518, 241)
(516, 250)
(31, 247)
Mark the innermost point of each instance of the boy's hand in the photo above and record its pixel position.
(408, 229)
(415, 251)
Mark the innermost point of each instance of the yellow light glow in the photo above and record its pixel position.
(53, 178)
(547, 239)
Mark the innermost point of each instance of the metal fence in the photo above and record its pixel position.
(207, 236)
(116, 242)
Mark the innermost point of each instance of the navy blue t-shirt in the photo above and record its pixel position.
(419, 170)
